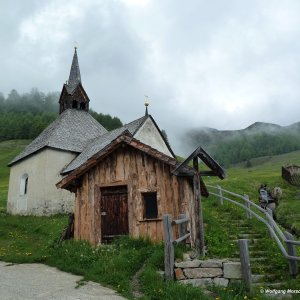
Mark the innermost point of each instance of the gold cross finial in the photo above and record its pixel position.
(146, 104)
(146, 101)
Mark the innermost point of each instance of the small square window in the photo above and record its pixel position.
(150, 205)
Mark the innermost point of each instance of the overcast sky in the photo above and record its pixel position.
(221, 63)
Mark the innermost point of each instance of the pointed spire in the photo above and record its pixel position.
(74, 77)
(146, 104)
(73, 94)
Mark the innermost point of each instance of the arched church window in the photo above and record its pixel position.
(82, 105)
(24, 184)
(74, 104)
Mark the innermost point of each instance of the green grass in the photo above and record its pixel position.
(33, 239)
(267, 170)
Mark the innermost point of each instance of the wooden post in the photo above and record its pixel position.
(182, 226)
(245, 263)
(169, 248)
(270, 213)
(248, 214)
(220, 194)
(199, 227)
(291, 250)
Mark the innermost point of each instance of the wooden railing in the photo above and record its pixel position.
(170, 243)
(266, 217)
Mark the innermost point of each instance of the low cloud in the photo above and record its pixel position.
(221, 64)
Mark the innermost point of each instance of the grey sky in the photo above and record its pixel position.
(221, 64)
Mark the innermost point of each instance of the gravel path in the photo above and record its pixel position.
(37, 281)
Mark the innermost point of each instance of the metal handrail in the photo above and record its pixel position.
(267, 223)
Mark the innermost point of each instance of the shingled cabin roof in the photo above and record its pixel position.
(124, 137)
(70, 132)
(104, 145)
(101, 142)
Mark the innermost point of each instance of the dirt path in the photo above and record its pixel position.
(37, 281)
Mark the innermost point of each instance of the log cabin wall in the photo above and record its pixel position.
(140, 173)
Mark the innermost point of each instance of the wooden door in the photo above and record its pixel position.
(114, 212)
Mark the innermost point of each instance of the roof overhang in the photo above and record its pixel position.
(69, 181)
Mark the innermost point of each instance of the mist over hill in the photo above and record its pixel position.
(258, 139)
(26, 115)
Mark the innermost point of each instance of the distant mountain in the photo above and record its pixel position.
(258, 139)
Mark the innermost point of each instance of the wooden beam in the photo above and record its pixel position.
(208, 173)
(245, 262)
(199, 227)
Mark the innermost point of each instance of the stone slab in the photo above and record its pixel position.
(194, 273)
(219, 281)
(179, 274)
(188, 264)
(212, 263)
(232, 270)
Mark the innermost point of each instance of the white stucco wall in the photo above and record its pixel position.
(42, 197)
(149, 135)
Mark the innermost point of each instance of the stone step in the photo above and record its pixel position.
(253, 259)
(269, 285)
(249, 235)
(251, 241)
(257, 267)
(256, 253)
(256, 278)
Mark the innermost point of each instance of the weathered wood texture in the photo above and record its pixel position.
(198, 215)
(291, 250)
(245, 262)
(169, 247)
(141, 173)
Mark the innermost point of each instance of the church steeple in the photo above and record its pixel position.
(74, 77)
(73, 94)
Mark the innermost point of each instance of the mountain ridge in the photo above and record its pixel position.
(257, 139)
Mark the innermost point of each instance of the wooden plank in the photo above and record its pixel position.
(245, 263)
(247, 204)
(220, 194)
(270, 213)
(181, 239)
(199, 227)
(291, 250)
(169, 248)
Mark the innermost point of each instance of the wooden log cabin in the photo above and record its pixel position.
(125, 188)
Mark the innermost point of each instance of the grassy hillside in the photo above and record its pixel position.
(267, 170)
(8, 150)
(33, 239)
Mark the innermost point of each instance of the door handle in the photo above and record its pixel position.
(103, 213)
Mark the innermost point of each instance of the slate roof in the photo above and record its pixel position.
(102, 141)
(70, 131)
(74, 78)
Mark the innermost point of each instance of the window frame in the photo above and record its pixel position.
(24, 184)
(152, 216)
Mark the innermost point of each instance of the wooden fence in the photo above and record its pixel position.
(170, 243)
(266, 217)
(291, 174)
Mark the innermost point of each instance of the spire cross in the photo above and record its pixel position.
(146, 104)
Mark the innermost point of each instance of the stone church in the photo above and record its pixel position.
(62, 147)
